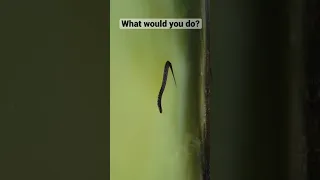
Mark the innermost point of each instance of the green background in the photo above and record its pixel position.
(145, 144)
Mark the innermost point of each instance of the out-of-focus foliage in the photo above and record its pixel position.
(147, 145)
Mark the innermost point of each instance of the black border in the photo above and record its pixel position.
(312, 105)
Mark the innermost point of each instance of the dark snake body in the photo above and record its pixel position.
(164, 82)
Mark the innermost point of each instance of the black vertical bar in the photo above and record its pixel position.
(313, 87)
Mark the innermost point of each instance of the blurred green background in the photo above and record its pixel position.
(54, 92)
(54, 95)
(145, 144)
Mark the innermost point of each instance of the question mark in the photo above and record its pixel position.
(197, 22)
